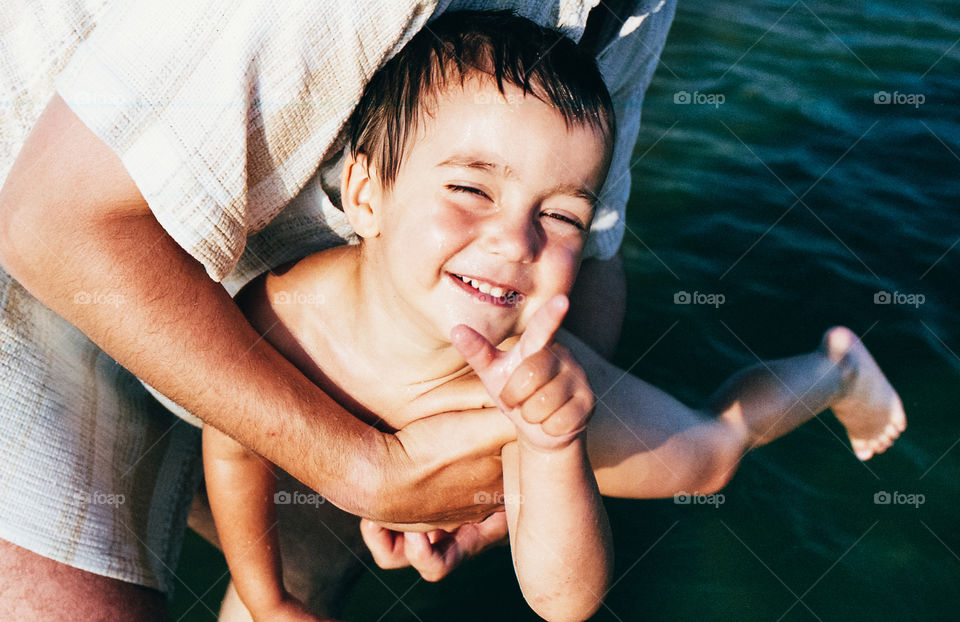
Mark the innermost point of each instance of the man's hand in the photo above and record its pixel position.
(536, 383)
(436, 553)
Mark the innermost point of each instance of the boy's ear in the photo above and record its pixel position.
(358, 195)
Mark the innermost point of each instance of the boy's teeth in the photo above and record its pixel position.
(486, 288)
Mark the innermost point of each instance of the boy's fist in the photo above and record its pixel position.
(550, 392)
(537, 384)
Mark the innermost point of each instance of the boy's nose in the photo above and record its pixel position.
(515, 237)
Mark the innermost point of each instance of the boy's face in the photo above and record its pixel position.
(489, 212)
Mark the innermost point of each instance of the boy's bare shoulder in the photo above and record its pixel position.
(284, 303)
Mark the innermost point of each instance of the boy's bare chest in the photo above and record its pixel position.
(377, 394)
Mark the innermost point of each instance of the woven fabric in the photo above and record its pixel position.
(221, 111)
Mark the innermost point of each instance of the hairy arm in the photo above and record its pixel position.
(72, 220)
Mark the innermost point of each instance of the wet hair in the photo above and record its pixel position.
(499, 45)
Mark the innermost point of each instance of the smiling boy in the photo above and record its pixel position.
(472, 198)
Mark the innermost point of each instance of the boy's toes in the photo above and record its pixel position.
(862, 450)
(891, 431)
(837, 340)
(899, 419)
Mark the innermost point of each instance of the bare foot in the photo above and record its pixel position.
(870, 408)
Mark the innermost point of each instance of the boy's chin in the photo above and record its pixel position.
(495, 335)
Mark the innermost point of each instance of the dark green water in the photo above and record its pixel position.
(799, 199)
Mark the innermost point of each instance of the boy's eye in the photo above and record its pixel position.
(566, 219)
(467, 190)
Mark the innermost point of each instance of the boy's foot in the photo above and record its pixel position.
(870, 408)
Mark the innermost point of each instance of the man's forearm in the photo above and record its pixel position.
(175, 328)
(598, 303)
(74, 228)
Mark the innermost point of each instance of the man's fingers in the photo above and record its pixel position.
(473, 347)
(534, 372)
(543, 325)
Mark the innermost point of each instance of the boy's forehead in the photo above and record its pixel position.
(473, 125)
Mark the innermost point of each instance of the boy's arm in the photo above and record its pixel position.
(241, 486)
(559, 532)
(72, 220)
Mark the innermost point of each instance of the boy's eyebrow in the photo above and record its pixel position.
(459, 161)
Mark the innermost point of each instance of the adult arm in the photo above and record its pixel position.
(74, 228)
(598, 303)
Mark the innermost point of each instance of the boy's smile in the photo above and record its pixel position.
(489, 212)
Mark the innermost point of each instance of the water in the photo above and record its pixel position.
(799, 199)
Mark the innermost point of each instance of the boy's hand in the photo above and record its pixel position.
(537, 383)
(434, 554)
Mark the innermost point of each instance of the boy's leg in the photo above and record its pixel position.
(645, 444)
(773, 398)
(37, 588)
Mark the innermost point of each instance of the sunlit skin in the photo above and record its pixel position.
(481, 194)
(478, 240)
(498, 189)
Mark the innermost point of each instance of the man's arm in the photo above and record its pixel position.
(598, 303)
(72, 223)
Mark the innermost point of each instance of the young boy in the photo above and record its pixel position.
(476, 155)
